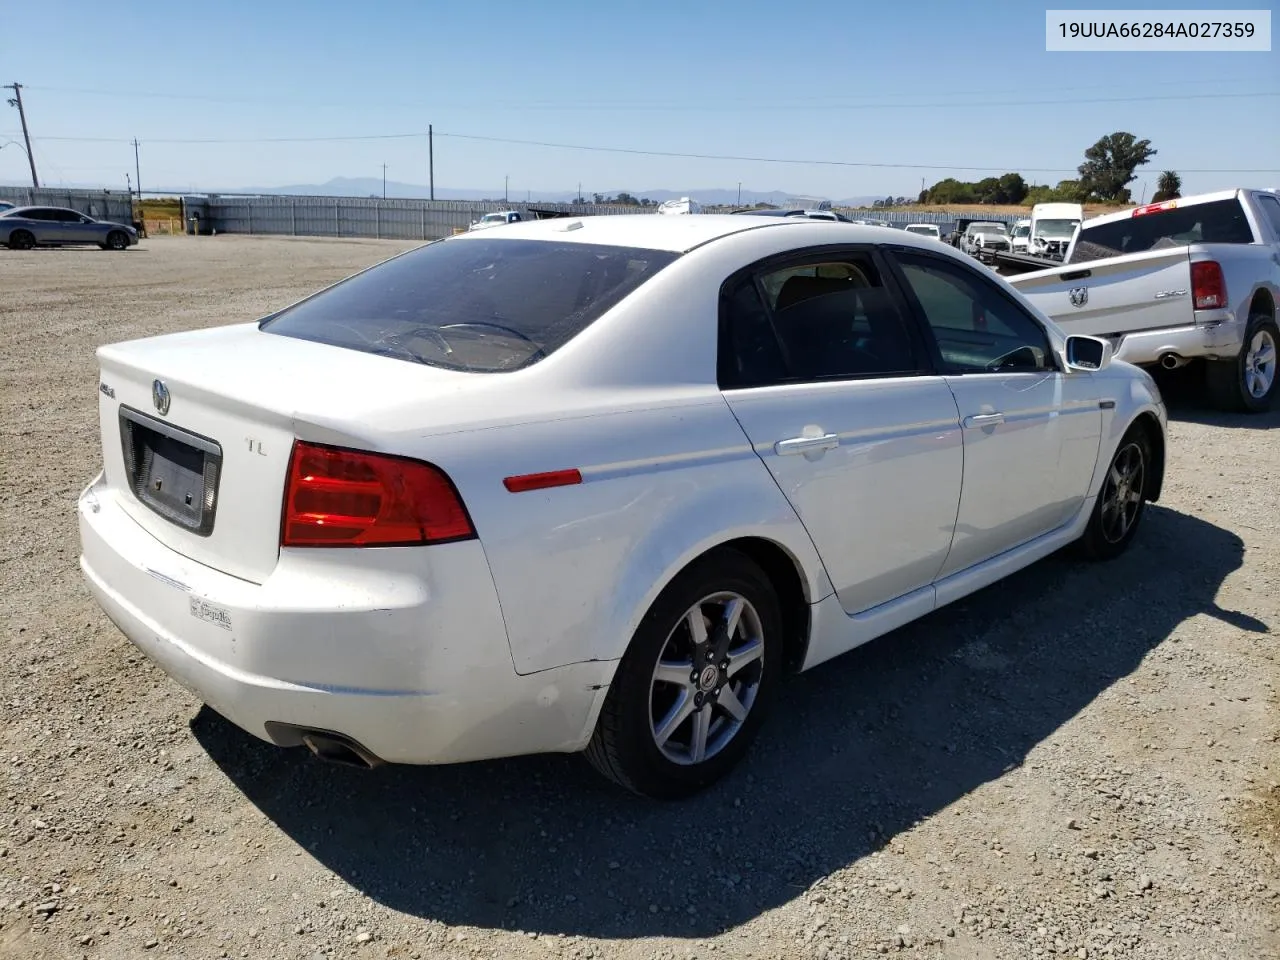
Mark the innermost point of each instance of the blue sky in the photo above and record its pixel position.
(942, 84)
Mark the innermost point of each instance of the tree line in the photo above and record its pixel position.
(1109, 167)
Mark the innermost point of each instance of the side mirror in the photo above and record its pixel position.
(1088, 353)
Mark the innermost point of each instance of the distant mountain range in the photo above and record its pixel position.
(373, 187)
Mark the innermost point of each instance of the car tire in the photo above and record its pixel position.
(21, 240)
(1247, 383)
(1122, 502)
(655, 715)
(117, 240)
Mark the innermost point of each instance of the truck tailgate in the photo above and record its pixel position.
(1143, 291)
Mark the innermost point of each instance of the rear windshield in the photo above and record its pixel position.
(480, 305)
(1219, 221)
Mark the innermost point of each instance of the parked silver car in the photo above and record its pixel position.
(25, 227)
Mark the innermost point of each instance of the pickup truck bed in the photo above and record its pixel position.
(1201, 285)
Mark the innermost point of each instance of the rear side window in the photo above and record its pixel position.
(478, 305)
(1271, 207)
(830, 319)
(1220, 221)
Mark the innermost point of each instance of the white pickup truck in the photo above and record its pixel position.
(1193, 279)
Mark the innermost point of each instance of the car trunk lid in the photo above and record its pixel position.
(197, 429)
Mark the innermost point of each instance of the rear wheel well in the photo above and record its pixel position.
(1263, 303)
(1150, 427)
(784, 574)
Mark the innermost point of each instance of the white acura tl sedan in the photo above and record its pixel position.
(594, 484)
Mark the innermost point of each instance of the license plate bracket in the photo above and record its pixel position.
(172, 471)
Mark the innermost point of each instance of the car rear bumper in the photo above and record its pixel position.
(1215, 335)
(404, 653)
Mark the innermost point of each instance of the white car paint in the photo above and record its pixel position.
(506, 643)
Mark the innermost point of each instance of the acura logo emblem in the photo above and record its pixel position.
(1079, 296)
(160, 396)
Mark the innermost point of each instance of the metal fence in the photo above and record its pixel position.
(99, 204)
(395, 219)
(360, 216)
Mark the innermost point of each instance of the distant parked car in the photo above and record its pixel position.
(5, 205)
(679, 207)
(925, 230)
(497, 219)
(1021, 236)
(825, 215)
(25, 227)
(985, 239)
(830, 215)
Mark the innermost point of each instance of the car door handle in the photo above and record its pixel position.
(984, 420)
(828, 441)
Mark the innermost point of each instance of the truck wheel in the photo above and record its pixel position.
(1248, 382)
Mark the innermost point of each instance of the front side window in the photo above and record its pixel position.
(820, 320)
(477, 305)
(977, 328)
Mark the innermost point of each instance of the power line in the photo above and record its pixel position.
(797, 161)
(821, 163)
(822, 101)
(624, 150)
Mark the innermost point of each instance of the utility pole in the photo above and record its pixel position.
(431, 160)
(739, 193)
(137, 169)
(22, 114)
(505, 181)
(384, 181)
(578, 199)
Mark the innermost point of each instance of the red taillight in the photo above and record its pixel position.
(336, 497)
(1208, 288)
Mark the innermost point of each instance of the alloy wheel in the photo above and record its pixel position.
(1260, 364)
(706, 679)
(1122, 492)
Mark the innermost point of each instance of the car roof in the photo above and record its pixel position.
(644, 231)
(678, 234)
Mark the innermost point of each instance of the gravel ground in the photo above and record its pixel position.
(1081, 762)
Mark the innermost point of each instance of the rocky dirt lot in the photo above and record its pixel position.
(1081, 762)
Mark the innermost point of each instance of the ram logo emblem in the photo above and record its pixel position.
(1079, 296)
